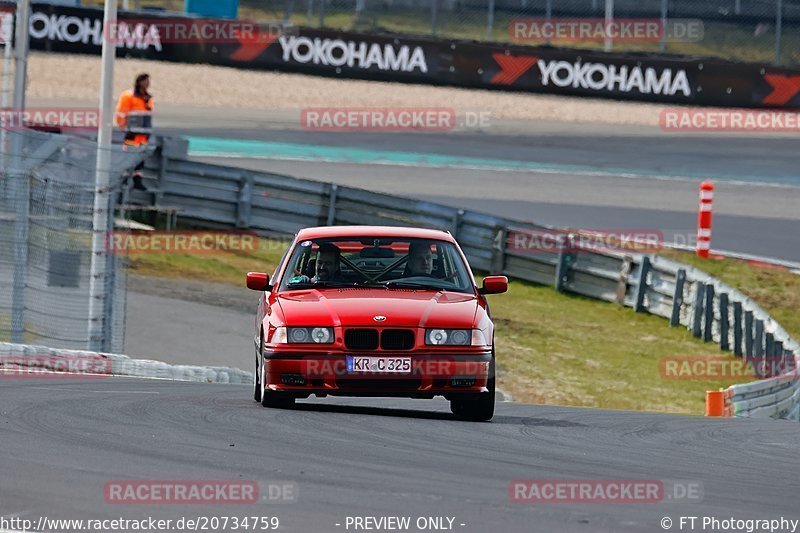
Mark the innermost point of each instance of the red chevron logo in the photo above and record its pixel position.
(252, 46)
(511, 68)
(784, 88)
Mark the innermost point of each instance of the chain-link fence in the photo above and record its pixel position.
(762, 31)
(46, 217)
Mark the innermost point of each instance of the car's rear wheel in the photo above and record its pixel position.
(476, 407)
(270, 398)
(257, 378)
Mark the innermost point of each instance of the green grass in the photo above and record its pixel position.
(551, 348)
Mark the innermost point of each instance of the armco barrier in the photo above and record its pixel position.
(219, 196)
(21, 358)
(629, 76)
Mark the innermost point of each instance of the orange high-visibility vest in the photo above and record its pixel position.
(132, 103)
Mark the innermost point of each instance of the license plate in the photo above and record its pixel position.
(378, 365)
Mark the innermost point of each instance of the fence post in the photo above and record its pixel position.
(697, 309)
(748, 334)
(309, 12)
(737, 328)
(332, 205)
(709, 313)
(321, 13)
(499, 250)
(434, 10)
(641, 289)
(490, 21)
(724, 344)
(457, 216)
(245, 200)
(564, 260)
(778, 30)
(677, 298)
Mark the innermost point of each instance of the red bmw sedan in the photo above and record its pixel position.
(375, 311)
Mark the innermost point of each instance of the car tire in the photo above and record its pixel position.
(275, 400)
(257, 377)
(478, 407)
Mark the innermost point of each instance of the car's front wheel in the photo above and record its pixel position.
(477, 407)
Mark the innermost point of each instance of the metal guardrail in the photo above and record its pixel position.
(275, 204)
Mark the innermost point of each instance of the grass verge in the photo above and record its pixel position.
(554, 348)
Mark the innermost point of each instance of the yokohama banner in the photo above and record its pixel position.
(415, 59)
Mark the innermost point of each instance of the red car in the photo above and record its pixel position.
(375, 311)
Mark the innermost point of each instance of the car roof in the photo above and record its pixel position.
(328, 232)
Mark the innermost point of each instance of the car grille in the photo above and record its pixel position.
(397, 339)
(361, 339)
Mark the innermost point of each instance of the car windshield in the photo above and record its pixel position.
(390, 263)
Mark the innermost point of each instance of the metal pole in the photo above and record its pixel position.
(97, 276)
(548, 14)
(310, 12)
(21, 181)
(490, 21)
(126, 5)
(287, 16)
(609, 19)
(7, 31)
(664, 8)
(737, 7)
(434, 10)
(778, 30)
(321, 13)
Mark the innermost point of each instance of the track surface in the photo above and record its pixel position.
(64, 439)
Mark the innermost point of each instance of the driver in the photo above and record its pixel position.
(327, 268)
(420, 259)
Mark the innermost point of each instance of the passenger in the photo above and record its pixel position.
(420, 259)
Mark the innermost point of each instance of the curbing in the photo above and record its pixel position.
(14, 356)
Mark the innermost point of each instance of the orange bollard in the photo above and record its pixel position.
(704, 219)
(715, 403)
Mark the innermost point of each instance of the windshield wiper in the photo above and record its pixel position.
(399, 284)
(318, 285)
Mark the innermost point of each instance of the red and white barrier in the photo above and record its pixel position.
(704, 219)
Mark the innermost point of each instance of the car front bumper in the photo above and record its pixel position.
(431, 375)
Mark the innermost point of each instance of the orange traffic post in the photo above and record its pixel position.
(704, 219)
(715, 403)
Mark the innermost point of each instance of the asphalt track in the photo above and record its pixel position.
(63, 439)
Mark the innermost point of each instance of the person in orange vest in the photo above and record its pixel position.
(134, 116)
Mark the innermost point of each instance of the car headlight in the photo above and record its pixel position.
(454, 337)
(310, 335)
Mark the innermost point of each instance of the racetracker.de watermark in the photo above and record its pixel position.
(603, 490)
(388, 119)
(156, 31)
(679, 119)
(717, 367)
(65, 118)
(598, 30)
(553, 241)
(198, 492)
(54, 366)
(182, 242)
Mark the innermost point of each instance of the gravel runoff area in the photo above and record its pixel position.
(64, 77)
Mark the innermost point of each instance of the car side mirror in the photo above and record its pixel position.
(494, 285)
(258, 281)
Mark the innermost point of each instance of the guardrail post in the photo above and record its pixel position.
(748, 334)
(677, 298)
(697, 309)
(498, 263)
(457, 216)
(624, 275)
(737, 328)
(709, 313)
(641, 289)
(332, 205)
(779, 364)
(564, 260)
(723, 322)
(243, 207)
(769, 355)
(758, 345)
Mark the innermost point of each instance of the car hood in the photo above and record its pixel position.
(359, 306)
